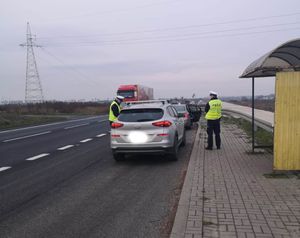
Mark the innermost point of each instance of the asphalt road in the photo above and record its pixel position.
(60, 180)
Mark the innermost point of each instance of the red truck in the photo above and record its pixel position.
(135, 92)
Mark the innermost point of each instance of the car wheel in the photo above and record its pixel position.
(174, 155)
(188, 127)
(119, 157)
(183, 142)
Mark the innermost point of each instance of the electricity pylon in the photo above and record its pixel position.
(34, 90)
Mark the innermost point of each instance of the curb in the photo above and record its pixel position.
(180, 222)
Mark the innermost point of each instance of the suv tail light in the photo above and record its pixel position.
(162, 123)
(116, 125)
(186, 115)
(166, 134)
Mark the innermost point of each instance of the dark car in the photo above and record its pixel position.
(189, 113)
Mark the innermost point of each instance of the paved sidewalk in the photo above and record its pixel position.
(226, 195)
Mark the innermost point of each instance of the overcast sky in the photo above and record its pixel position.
(179, 48)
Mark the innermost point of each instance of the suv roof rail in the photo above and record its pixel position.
(145, 101)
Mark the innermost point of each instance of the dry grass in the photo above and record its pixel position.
(13, 120)
(207, 223)
(276, 176)
(267, 105)
(56, 108)
(14, 115)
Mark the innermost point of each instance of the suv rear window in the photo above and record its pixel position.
(140, 115)
(180, 108)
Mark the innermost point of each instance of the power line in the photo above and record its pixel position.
(61, 70)
(178, 28)
(106, 12)
(76, 70)
(70, 68)
(186, 39)
(173, 36)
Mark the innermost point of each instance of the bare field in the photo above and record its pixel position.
(15, 115)
(267, 105)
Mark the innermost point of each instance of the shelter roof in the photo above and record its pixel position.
(284, 58)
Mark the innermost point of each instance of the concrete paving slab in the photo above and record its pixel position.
(229, 195)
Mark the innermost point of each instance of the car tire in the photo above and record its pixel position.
(174, 155)
(119, 157)
(183, 142)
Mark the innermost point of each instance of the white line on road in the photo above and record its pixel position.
(102, 120)
(4, 168)
(37, 157)
(19, 138)
(65, 147)
(50, 124)
(70, 127)
(101, 135)
(86, 140)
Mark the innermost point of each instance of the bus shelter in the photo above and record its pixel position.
(284, 63)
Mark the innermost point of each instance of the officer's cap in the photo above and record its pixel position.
(211, 93)
(121, 98)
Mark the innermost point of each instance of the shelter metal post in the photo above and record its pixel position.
(252, 114)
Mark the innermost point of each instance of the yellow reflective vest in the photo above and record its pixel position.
(112, 117)
(214, 112)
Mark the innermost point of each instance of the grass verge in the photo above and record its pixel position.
(204, 198)
(13, 115)
(276, 176)
(261, 136)
(14, 120)
(207, 223)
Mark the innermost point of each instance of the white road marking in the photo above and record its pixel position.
(102, 120)
(70, 127)
(4, 168)
(19, 138)
(51, 124)
(101, 135)
(86, 140)
(37, 157)
(65, 147)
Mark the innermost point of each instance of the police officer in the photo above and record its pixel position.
(213, 116)
(115, 109)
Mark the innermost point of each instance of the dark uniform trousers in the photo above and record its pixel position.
(213, 126)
